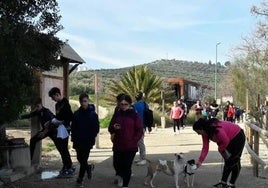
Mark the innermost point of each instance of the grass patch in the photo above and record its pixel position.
(104, 123)
(49, 147)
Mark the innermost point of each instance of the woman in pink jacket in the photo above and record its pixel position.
(176, 114)
(230, 139)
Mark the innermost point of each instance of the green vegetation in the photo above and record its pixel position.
(49, 147)
(202, 73)
(28, 43)
(135, 80)
(248, 71)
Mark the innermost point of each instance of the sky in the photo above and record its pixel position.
(122, 33)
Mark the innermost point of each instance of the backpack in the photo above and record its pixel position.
(148, 117)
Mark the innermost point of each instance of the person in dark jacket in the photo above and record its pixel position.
(64, 116)
(85, 127)
(126, 130)
(44, 115)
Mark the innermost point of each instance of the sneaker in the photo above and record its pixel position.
(230, 186)
(62, 169)
(141, 163)
(79, 182)
(89, 171)
(137, 160)
(67, 172)
(221, 185)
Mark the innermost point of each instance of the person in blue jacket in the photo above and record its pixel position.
(85, 127)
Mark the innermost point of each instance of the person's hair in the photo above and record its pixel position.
(37, 101)
(126, 98)
(207, 126)
(82, 96)
(138, 96)
(119, 96)
(53, 91)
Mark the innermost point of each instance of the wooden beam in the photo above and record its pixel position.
(35, 123)
(255, 157)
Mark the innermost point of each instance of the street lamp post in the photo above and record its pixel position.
(218, 43)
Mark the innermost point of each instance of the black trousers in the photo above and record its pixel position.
(233, 164)
(35, 139)
(122, 164)
(82, 157)
(176, 123)
(61, 145)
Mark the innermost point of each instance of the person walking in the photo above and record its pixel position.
(198, 110)
(126, 130)
(64, 115)
(184, 108)
(176, 114)
(85, 127)
(230, 139)
(231, 113)
(140, 106)
(225, 110)
(214, 109)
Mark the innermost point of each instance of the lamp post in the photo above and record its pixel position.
(218, 43)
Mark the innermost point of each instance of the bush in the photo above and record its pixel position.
(190, 118)
(104, 123)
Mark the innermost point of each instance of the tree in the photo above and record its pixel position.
(28, 44)
(249, 67)
(137, 79)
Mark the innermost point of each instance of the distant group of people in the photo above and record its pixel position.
(127, 129)
(230, 112)
(207, 111)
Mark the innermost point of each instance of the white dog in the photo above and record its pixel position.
(174, 168)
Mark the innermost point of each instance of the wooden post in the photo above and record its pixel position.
(249, 130)
(65, 66)
(256, 145)
(256, 150)
(96, 87)
(35, 123)
(247, 101)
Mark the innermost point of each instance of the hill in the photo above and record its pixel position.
(202, 73)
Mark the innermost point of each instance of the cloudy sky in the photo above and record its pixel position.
(121, 33)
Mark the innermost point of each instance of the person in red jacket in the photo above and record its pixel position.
(231, 113)
(126, 130)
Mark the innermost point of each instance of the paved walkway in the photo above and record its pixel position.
(161, 144)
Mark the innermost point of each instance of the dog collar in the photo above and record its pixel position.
(186, 172)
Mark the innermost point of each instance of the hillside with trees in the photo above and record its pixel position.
(202, 73)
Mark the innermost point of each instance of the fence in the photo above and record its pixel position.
(253, 134)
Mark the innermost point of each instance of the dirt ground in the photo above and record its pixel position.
(160, 144)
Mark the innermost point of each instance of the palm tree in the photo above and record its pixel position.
(137, 79)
